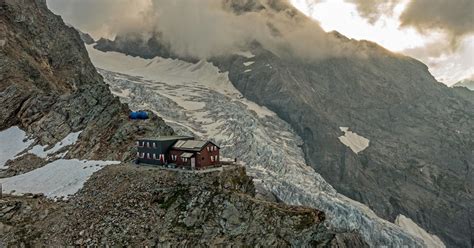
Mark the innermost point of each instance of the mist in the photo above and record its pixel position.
(206, 28)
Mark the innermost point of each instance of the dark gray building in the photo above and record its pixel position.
(156, 150)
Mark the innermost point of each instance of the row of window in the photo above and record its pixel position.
(215, 158)
(173, 157)
(151, 156)
(146, 144)
(211, 148)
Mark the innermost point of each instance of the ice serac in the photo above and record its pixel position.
(197, 99)
(50, 89)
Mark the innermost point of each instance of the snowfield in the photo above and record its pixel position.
(61, 178)
(12, 141)
(69, 140)
(354, 141)
(197, 99)
(409, 225)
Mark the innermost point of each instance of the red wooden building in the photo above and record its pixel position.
(196, 154)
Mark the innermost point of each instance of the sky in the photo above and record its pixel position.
(448, 52)
(440, 33)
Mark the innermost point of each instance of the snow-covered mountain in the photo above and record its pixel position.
(198, 99)
(467, 83)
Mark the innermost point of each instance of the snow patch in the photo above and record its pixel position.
(354, 141)
(60, 178)
(248, 70)
(246, 54)
(2, 43)
(411, 227)
(70, 139)
(12, 141)
(249, 63)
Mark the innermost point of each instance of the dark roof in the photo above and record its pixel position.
(191, 145)
(167, 138)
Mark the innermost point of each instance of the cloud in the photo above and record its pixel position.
(205, 28)
(374, 9)
(455, 17)
(101, 18)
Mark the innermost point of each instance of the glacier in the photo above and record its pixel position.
(197, 99)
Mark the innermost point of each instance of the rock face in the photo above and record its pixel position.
(86, 38)
(49, 87)
(420, 159)
(130, 206)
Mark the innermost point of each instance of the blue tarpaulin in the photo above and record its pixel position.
(138, 115)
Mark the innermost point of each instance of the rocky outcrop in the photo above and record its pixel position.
(86, 38)
(49, 87)
(137, 206)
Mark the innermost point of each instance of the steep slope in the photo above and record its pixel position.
(197, 99)
(419, 158)
(49, 87)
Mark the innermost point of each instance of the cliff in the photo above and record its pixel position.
(49, 87)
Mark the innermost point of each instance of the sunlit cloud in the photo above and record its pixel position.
(433, 47)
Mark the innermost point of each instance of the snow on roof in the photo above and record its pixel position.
(186, 155)
(190, 145)
(166, 138)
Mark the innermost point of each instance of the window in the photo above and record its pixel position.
(212, 158)
(208, 149)
(138, 154)
(147, 144)
(154, 156)
(154, 145)
(148, 155)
